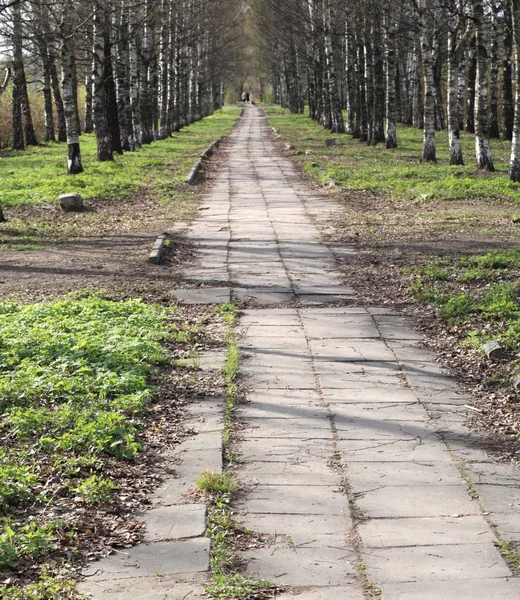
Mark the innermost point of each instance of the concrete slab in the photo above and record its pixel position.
(284, 400)
(347, 351)
(202, 295)
(305, 531)
(297, 500)
(146, 560)
(465, 589)
(391, 533)
(309, 473)
(416, 501)
(394, 451)
(434, 563)
(365, 476)
(377, 411)
(302, 566)
(157, 587)
(175, 522)
(286, 450)
(366, 394)
(263, 295)
(346, 592)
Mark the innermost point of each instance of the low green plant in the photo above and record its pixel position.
(227, 586)
(49, 587)
(219, 483)
(95, 490)
(511, 554)
(29, 541)
(457, 307)
(434, 273)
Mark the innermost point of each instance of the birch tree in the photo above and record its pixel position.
(482, 149)
(514, 167)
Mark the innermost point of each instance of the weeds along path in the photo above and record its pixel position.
(357, 476)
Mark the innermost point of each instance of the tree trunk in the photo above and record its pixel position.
(75, 90)
(350, 77)
(471, 83)
(456, 157)
(461, 92)
(507, 76)
(22, 96)
(146, 103)
(41, 41)
(18, 141)
(103, 133)
(337, 123)
(514, 167)
(5, 83)
(378, 107)
(427, 28)
(58, 101)
(124, 78)
(110, 95)
(164, 66)
(494, 131)
(390, 79)
(69, 107)
(482, 149)
(50, 133)
(89, 106)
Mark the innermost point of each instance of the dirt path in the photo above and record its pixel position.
(352, 453)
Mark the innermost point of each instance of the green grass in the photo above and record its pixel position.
(396, 173)
(511, 554)
(38, 175)
(228, 583)
(478, 294)
(216, 482)
(230, 314)
(75, 377)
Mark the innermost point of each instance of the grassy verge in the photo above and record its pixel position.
(75, 382)
(32, 180)
(396, 173)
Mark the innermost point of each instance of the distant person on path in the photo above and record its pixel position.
(244, 95)
(247, 97)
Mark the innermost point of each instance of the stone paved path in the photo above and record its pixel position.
(354, 454)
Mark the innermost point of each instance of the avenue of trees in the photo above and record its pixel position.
(432, 64)
(143, 69)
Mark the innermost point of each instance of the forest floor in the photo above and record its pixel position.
(440, 243)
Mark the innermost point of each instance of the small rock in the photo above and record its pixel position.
(71, 202)
(289, 147)
(314, 164)
(331, 183)
(308, 152)
(203, 208)
(330, 142)
(494, 350)
(516, 383)
(515, 219)
(299, 152)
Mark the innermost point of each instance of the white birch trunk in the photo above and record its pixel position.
(514, 166)
(482, 149)
(427, 28)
